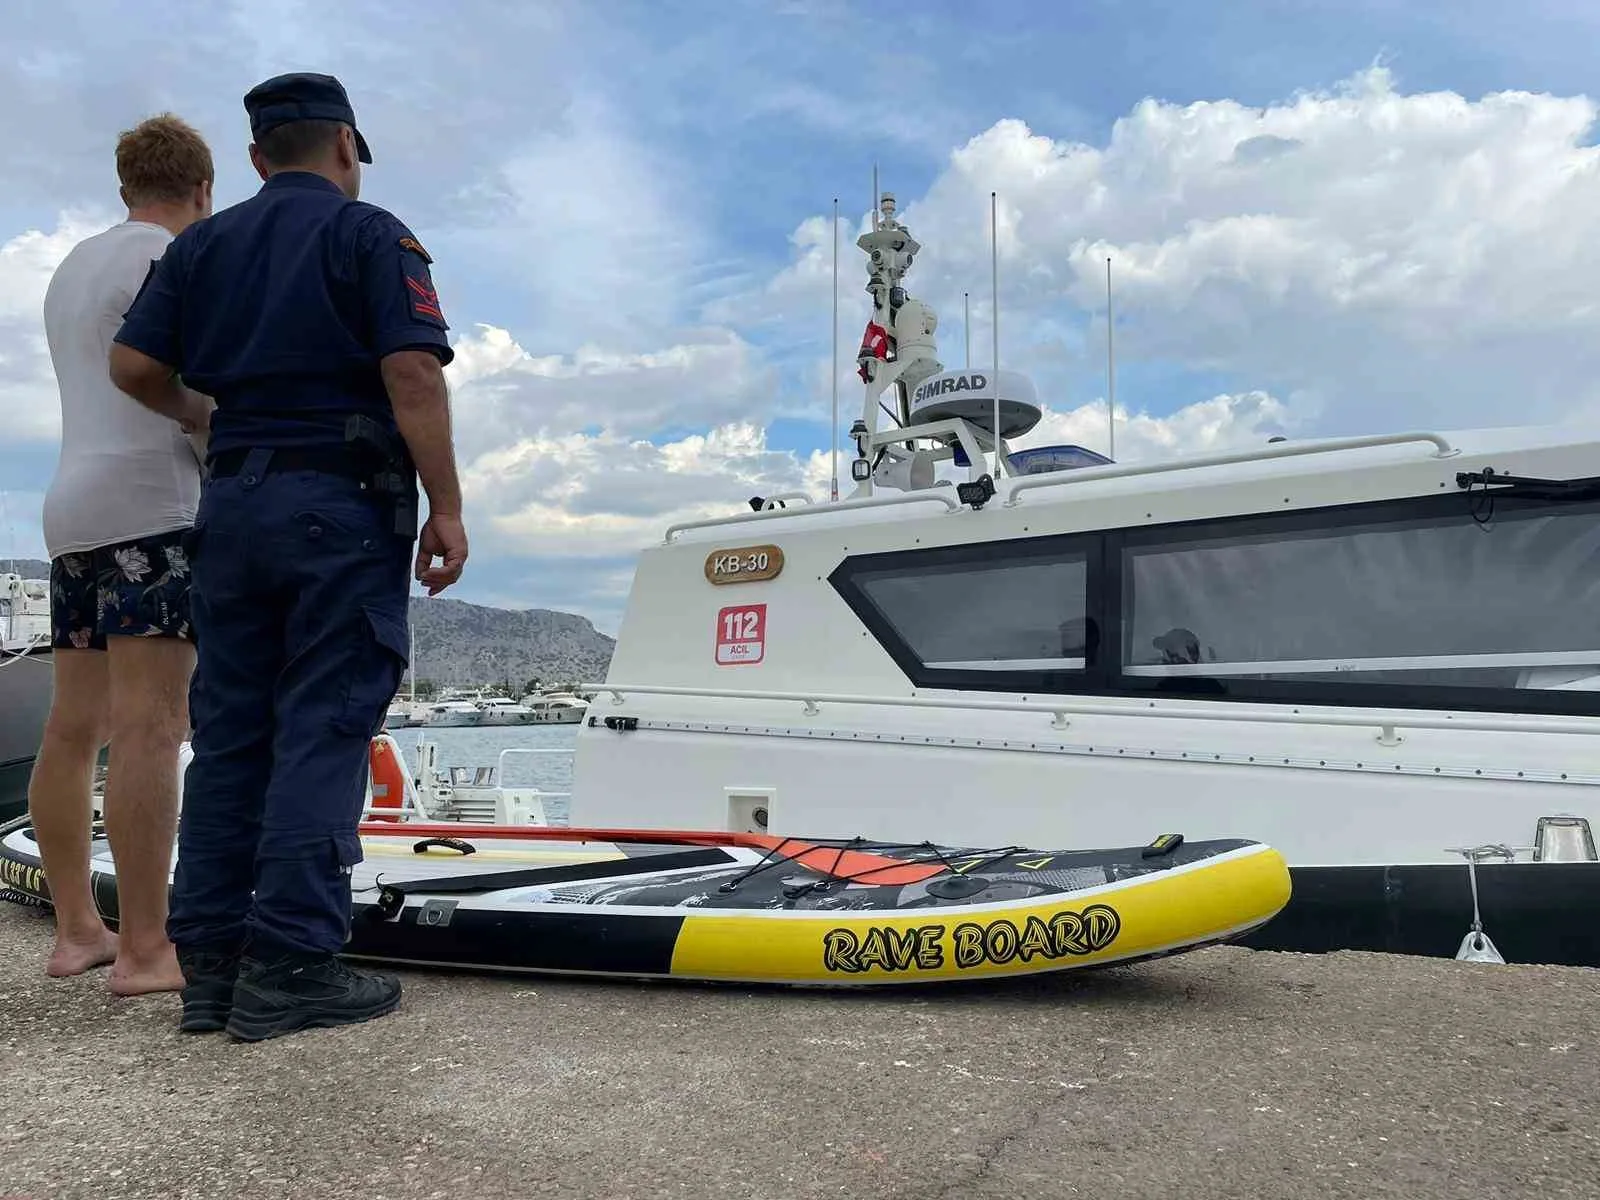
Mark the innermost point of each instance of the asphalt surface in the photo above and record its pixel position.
(1223, 1073)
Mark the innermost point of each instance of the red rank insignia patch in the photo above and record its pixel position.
(424, 298)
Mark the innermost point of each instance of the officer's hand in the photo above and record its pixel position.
(443, 537)
(197, 413)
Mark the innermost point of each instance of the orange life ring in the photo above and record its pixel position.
(388, 779)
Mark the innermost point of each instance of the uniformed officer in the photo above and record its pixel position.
(312, 321)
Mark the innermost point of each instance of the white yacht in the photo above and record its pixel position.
(25, 684)
(556, 708)
(502, 710)
(402, 714)
(1380, 654)
(451, 714)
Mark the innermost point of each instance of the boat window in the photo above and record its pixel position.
(974, 611)
(1437, 601)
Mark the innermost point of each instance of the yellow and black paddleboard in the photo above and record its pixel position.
(765, 909)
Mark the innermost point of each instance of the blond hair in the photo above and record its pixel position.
(162, 158)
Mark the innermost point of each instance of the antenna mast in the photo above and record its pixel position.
(1111, 375)
(834, 424)
(994, 282)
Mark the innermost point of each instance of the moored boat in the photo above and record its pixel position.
(1378, 653)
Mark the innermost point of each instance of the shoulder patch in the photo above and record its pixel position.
(411, 244)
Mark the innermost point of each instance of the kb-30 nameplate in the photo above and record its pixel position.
(744, 564)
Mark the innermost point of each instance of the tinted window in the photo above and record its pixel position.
(1004, 611)
(1437, 601)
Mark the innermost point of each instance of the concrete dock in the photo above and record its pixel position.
(1223, 1073)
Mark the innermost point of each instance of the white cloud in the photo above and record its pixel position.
(30, 409)
(1224, 422)
(1390, 258)
(602, 496)
(504, 393)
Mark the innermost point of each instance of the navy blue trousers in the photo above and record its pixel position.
(299, 605)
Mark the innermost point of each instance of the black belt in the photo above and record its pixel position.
(329, 460)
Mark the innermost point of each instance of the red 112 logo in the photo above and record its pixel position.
(741, 635)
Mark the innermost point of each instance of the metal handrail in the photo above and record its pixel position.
(770, 501)
(945, 496)
(1258, 454)
(1385, 721)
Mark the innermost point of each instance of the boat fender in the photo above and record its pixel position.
(1165, 844)
(448, 843)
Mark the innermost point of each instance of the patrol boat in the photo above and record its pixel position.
(25, 684)
(1379, 654)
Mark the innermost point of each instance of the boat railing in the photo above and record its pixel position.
(1387, 722)
(1016, 486)
(944, 496)
(1255, 454)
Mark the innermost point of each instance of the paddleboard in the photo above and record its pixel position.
(748, 908)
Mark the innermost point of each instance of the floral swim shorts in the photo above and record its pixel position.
(131, 589)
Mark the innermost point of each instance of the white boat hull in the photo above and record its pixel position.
(26, 687)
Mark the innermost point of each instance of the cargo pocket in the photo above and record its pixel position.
(347, 853)
(378, 667)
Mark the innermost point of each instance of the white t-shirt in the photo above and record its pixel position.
(125, 472)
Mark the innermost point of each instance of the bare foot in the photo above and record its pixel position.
(130, 977)
(75, 955)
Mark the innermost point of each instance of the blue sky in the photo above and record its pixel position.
(1324, 218)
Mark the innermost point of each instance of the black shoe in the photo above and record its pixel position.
(208, 989)
(305, 991)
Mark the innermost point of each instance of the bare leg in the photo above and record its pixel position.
(149, 717)
(59, 795)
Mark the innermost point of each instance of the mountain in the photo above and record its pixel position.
(461, 643)
(470, 644)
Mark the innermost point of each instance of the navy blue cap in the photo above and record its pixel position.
(302, 96)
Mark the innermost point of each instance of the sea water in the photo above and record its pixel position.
(473, 747)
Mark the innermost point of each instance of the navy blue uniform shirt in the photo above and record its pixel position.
(281, 307)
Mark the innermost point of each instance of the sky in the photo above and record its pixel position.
(1322, 219)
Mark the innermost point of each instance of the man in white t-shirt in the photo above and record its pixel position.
(125, 491)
